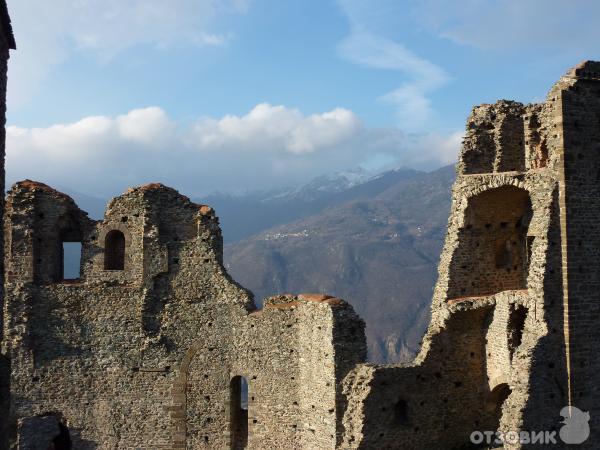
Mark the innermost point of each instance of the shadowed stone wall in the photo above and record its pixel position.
(513, 329)
(7, 42)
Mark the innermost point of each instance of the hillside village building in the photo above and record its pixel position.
(154, 346)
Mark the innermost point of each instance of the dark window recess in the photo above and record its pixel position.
(114, 251)
(401, 412)
(239, 412)
(516, 327)
(503, 255)
(495, 402)
(63, 440)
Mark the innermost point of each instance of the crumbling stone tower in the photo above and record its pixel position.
(7, 42)
(513, 336)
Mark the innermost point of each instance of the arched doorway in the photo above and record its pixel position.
(495, 402)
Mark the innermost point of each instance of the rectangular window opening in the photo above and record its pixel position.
(530, 240)
(239, 413)
(71, 260)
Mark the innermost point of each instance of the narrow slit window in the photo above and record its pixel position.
(530, 240)
(516, 326)
(71, 261)
(239, 412)
(401, 412)
(114, 251)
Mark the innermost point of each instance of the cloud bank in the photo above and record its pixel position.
(269, 147)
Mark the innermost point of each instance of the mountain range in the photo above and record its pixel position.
(375, 243)
(372, 240)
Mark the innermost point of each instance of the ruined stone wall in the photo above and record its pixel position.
(416, 406)
(494, 139)
(338, 338)
(472, 372)
(147, 355)
(154, 346)
(578, 94)
(511, 338)
(7, 42)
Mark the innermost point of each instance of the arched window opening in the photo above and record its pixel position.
(114, 251)
(516, 326)
(46, 431)
(239, 413)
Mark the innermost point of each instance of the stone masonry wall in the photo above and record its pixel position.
(579, 95)
(7, 42)
(512, 333)
(145, 356)
(154, 346)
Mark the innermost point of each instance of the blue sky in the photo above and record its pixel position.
(251, 94)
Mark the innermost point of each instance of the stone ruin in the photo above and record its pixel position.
(154, 346)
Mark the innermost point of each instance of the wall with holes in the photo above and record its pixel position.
(141, 349)
(511, 335)
(145, 349)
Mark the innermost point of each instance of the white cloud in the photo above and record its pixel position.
(150, 126)
(436, 148)
(423, 77)
(278, 127)
(270, 146)
(48, 32)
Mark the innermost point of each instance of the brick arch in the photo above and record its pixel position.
(487, 185)
(494, 183)
(497, 381)
(185, 403)
(106, 228)
(178, 408)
